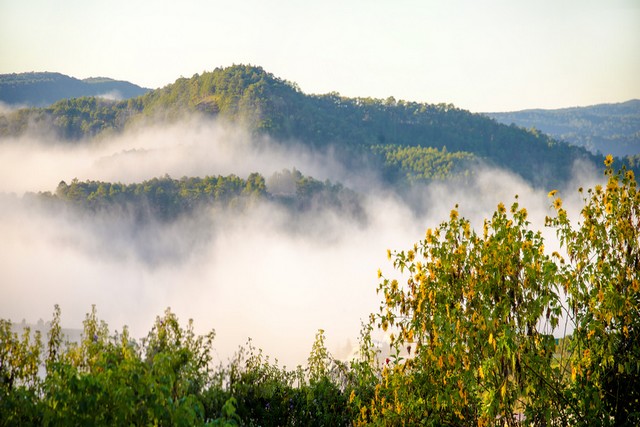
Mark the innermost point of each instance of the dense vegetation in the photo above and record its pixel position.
(167, 378)
(423, 164)
(267, 105)
(604, 128)
(165, 199)
(42, 89)
(471, 328)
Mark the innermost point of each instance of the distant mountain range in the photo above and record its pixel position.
(403, 141)
(44, 89)
(604, 128)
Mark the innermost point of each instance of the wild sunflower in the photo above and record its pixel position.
(557, 203)
(608, 160)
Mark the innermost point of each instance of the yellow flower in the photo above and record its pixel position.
(379, 273)
(608, 160)
(501, 208)
(429, 235)
(388, 254)
(409, 335)
(557, 203)
(467, 230)
(609, 208)
(552, 193)
(352, 396)
(453, 214)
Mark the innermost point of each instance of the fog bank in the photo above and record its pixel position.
(264, 273)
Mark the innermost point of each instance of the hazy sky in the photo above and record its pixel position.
(493, 55)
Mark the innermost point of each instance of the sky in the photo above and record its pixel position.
(484, 56)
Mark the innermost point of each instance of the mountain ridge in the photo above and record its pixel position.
(41, 89)
(608, 128)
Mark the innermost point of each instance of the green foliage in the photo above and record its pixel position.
(110, 380)
(162, 198)
(165, 199)
(424, 164)
(602, 282)
(19, 364)
(468, 317)
(167, 378)
(472, 327)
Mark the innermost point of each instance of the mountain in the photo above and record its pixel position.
(604, 128)
(402, 140)
(43, 89)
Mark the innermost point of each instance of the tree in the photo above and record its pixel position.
(602, 282)
(476, 317)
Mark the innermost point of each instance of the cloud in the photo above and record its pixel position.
(113, 95)
(266, 272)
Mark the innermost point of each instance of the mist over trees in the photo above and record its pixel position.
(165, 199)
(266, 105)
(470, 334)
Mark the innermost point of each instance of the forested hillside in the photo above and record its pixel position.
(604, 128)
(43, 89)
(357, 127)
(165, 199)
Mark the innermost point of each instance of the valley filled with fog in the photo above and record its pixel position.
(264, 271)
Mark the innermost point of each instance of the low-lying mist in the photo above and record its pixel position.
(264, 272)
